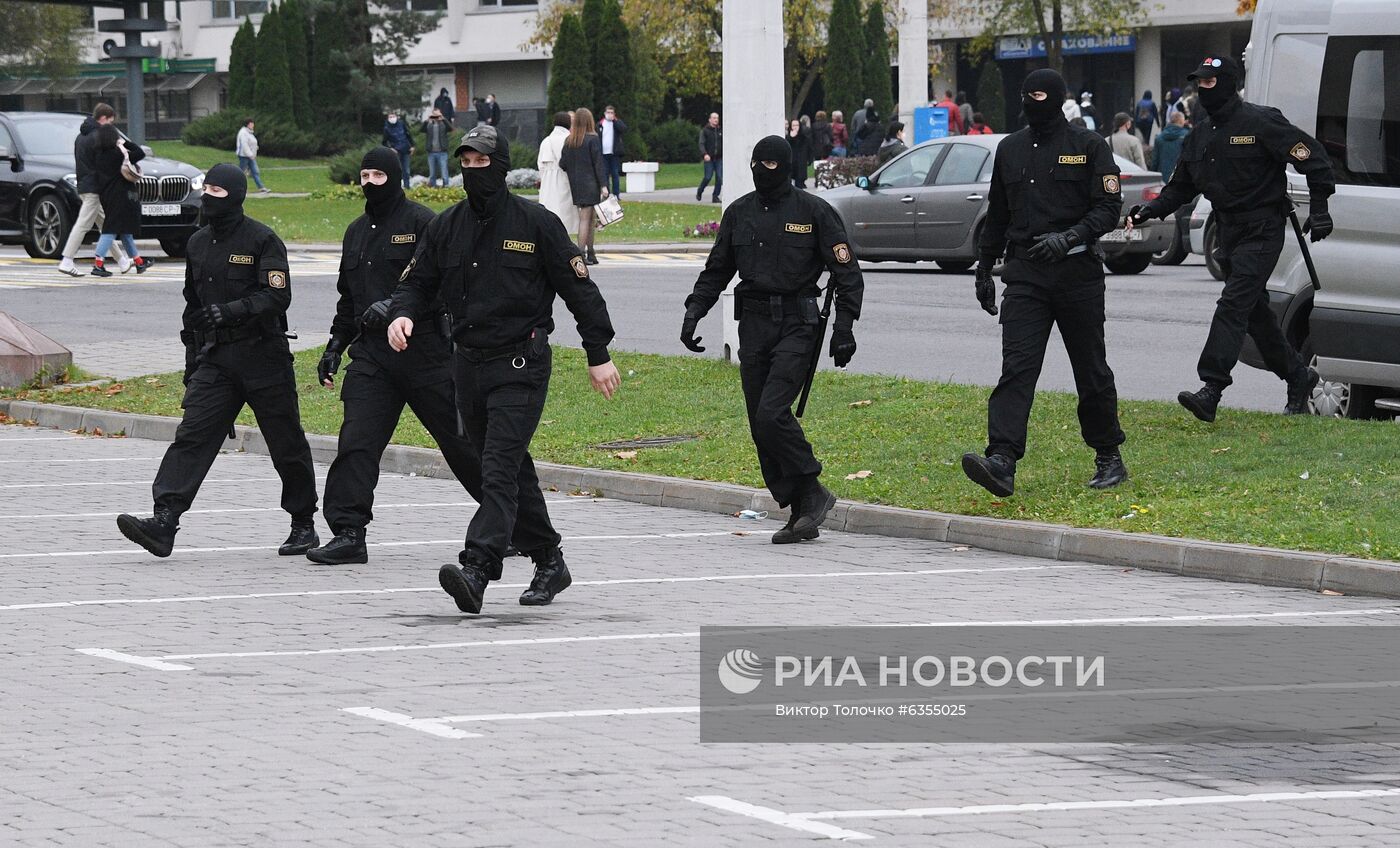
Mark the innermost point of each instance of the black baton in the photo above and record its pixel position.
(1303, 246)
(817, 348)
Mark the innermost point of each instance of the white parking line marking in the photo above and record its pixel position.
(425, 725)
(778, 817)
(617, 581)
(553, 503)
(138, 483)
(91, 459)
(620, 711)
(144, 662)
(10, 440)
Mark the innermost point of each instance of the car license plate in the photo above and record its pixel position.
(160, 210)
(1120, 236)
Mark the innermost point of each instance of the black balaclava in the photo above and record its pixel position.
(775, 183)
(1043, 113)
(381, 198)
(1218, 96)
(485, 186)
(224, 213)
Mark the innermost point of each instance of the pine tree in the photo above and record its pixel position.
(242, 64)
(875, 73)
(991, 97)
(650, 85)
(570, 78)
(293, 21)
(614, 77)
(845, 51)
(330, 66)
(272, 83)
(591, 16)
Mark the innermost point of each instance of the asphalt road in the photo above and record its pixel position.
(918, 322)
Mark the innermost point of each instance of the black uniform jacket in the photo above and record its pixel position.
(1236, 158)
(498, 276)
(1063, 178)
(247, 264)
(781, 247)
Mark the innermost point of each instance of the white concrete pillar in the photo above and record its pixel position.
(754, 96)
(1147, 65)
(913, 58)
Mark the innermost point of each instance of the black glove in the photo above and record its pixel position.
(330, 361)
(688, 327)
(843, 344)
(377, 316)
(1052, 247)
(210, 318)
(986, 288)
(1139, 214)
(1318, 225)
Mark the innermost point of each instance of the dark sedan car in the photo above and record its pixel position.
(39, 195)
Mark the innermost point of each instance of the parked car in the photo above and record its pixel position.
(1333, 68)
(1203, 236)
(39, 195)
(929, 203)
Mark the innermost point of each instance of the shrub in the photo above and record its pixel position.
(839, 171)
(523, 178)
(675, 141)
(275, 137)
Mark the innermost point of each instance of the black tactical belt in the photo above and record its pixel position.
(229, 335)
(775, 306)
(517, 350)
(1249, 217)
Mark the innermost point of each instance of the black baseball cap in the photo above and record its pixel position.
(482, 139)
(1212, 66)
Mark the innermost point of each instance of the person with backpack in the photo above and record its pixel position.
(1146, 117)
(115, 163)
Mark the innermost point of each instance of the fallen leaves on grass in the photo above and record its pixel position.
(859, 475)
(1220, 450)
(114, 390)
(625, 455)
(1306, 475)
(859, 403)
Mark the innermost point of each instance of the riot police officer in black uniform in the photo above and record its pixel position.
(1055, 190)
(779, 241)
(379, 381)
(237, 290)
(496, 262)
(1236, 157)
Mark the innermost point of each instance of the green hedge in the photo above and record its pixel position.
(674, 141)
(276, 137)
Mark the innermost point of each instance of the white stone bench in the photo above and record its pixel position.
(641, 176)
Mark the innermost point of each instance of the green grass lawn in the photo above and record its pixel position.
(1258, 478)
(304, 219)
(679, 175)
(284, 175)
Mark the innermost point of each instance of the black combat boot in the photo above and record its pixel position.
(817, 500)
(1109, 470)
(346, 548)
(1203, 401)
(788, 535)
(1300, 391)
(302, 538)
(551, 578)
(156, 534)
(466, 583)
(995, 473)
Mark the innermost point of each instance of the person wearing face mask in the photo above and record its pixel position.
(237, 290)
(779, 241)
(496, 262)
(397, 137)
(1055, 190)
(1236, 157)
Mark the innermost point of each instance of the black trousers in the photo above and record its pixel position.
(213, 399)
(375, 389)
(500, 406)
(1028, 312)
(774, 353)
(1248, 253)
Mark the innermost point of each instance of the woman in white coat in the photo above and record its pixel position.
(554, 183)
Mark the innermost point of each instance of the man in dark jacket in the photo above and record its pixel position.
(397, 138)
(443, 104)
(1166, 149)
(610, 132)
(712, 154)
(90, 213)
(496, 262)
(437, 135)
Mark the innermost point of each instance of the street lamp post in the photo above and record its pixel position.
(913, 59)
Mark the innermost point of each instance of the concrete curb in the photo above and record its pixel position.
(1187, 557)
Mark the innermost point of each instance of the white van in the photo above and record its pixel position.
(1333, 68)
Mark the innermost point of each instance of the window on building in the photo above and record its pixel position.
(413, 5)
(238, 8)
(496, 4)
(1358, 109)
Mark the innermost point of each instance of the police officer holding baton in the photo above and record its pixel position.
(496, 263)
(237, 290)
(1236, 158)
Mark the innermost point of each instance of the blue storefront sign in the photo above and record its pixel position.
(930, 122)
(1033, 47)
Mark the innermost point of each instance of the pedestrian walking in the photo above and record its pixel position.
(779, 242)
(497, 261)
(1088, 112)
(443, 104)
(246, 149)
(1166, 151)
(437, 133)
(858, 123)
(801, 152)
(483, 111)
(90, 210)
(965, 111)
(980, 125)
(1146, 116)
(955, 121)
(1055, 190)
(1237, 157)
(610, 135)
(121, 212)
(1071, 108)
(397, 137)
(237, 290)
(840, 139)
(1124, 142)
(555, 194)
(871, 133)
(493, 111)
(821, 136)
(712, 156)
(894, 142)
(582, 162)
